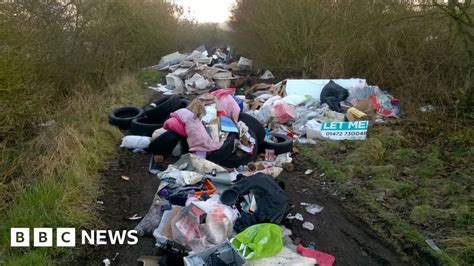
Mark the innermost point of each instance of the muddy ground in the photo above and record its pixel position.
(336, 231)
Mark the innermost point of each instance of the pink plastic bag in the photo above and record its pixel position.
(175, 125)
(283, 112)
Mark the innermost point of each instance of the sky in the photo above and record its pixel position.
(217, 11)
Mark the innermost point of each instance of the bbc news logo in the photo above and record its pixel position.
(66, 237)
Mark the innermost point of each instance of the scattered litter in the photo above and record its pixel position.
(100, 202)
(308, 172)
(222, 254)
(322, 258)
(306, 141)
(432, 245)
(308, 225)
(287, 256)
(135, 142)
(314, 208)
(47, 124)
(106, 262)
(126, 178)
(135, 217)
(285, 231)
(297, 216)
(267, 75)
(149, 260)
(151, 220)
(427, 108)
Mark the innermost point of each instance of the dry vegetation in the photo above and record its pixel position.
(57, 64)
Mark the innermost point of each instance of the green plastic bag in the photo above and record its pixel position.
(259, 241)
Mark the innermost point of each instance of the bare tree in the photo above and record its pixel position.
(459, 12)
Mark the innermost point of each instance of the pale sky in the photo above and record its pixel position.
(217, 11)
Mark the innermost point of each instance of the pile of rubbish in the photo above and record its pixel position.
(218, 202)
(197, 72)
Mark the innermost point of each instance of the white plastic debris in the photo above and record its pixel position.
(308, 172)
(197, 82)
(135, 217)
(286, 256)
(135, 142)
(427, 108)
(283, 158)
(306, 141)
(297, 216)
(314, 208)
(267, 75)
(47, 124)
(285, 231)
(106, 262)
(432, 245)
(161, 88)
(245, 62)
(309, 226)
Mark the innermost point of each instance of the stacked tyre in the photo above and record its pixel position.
(143, 122)
(122, 117)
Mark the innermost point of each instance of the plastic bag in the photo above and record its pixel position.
(202, 224)
(135, 142)
(219, 227)
(283, 112)
(151, 220)
(313, 129)
(259, 241)
(163, 232)
(186, 229)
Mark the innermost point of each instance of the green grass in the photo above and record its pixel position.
(417, 191)
(65, 159)
(149, 77)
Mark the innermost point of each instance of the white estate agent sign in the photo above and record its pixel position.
(345, 130)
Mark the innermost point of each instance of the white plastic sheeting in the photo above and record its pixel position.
(313, 87)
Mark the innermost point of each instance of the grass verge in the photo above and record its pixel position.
(60, 169)
(409, 192)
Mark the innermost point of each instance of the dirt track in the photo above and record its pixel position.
(336, 231)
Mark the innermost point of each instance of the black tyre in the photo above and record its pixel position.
(158, 111)
(240, 157)
(143, 127)
(284, 144)
(184, 103)
(122, 117)
(254, 125)
(164, 144)
(225, 151)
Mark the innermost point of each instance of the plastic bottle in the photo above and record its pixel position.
(323, 259)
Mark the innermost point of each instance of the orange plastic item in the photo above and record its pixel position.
(211, 189)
